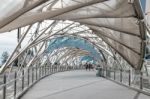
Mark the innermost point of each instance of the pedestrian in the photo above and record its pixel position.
(89, 66)
(86, 66)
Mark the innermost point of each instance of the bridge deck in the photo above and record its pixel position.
(80, 85)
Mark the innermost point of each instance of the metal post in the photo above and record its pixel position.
(106, 72)
(45, 70)
(39, 72)
(32, 75)
(55, 68)
(15, 84)
(22, 79)
(59, 69)
(67, 68)
(120, 75)
(50, 68)
(42, 71)
(36, 72)
(141, 80)
(114, 74)
(28, 72)
(103, 72)
(129, 78)
(110, 70)
(4, 88)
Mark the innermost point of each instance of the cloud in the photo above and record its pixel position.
(8, 41)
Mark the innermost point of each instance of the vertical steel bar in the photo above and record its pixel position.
(49, 69)
(110, 69)
(52, 68)
(103, 72)
(129, 78)
(42, 71)
(22, 79)
(106, 72)
(120, 75)
(36, 72)
(39, 72)
(45, 70)
(114, 74)
(15, 84)
(4, 88)
(28, 73)
(32, 75)
(141, 80)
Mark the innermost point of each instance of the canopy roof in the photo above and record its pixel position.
(88, 59)
(118, 23)
(60, 42)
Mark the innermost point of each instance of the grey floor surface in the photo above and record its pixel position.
(80, 85)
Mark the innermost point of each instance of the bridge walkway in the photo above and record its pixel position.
(80, 84)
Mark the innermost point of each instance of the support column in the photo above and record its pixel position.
(18, 39)
(148, 11)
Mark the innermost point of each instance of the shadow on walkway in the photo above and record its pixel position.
(137, 95)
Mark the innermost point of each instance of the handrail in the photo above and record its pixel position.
(127, 78)
(33, 75)
(19, 84)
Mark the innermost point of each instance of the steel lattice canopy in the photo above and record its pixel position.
(117, 22)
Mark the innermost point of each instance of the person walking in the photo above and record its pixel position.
(89, 66)
(86, 66)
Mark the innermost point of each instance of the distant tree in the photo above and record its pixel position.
(4, 57)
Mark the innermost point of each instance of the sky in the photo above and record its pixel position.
(143, 3)
(8, 41)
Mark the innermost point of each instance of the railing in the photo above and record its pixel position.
(15, 85)
(132, 79)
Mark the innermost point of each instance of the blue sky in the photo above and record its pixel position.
(143, 3)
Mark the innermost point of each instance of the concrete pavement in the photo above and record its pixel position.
(80, 84)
